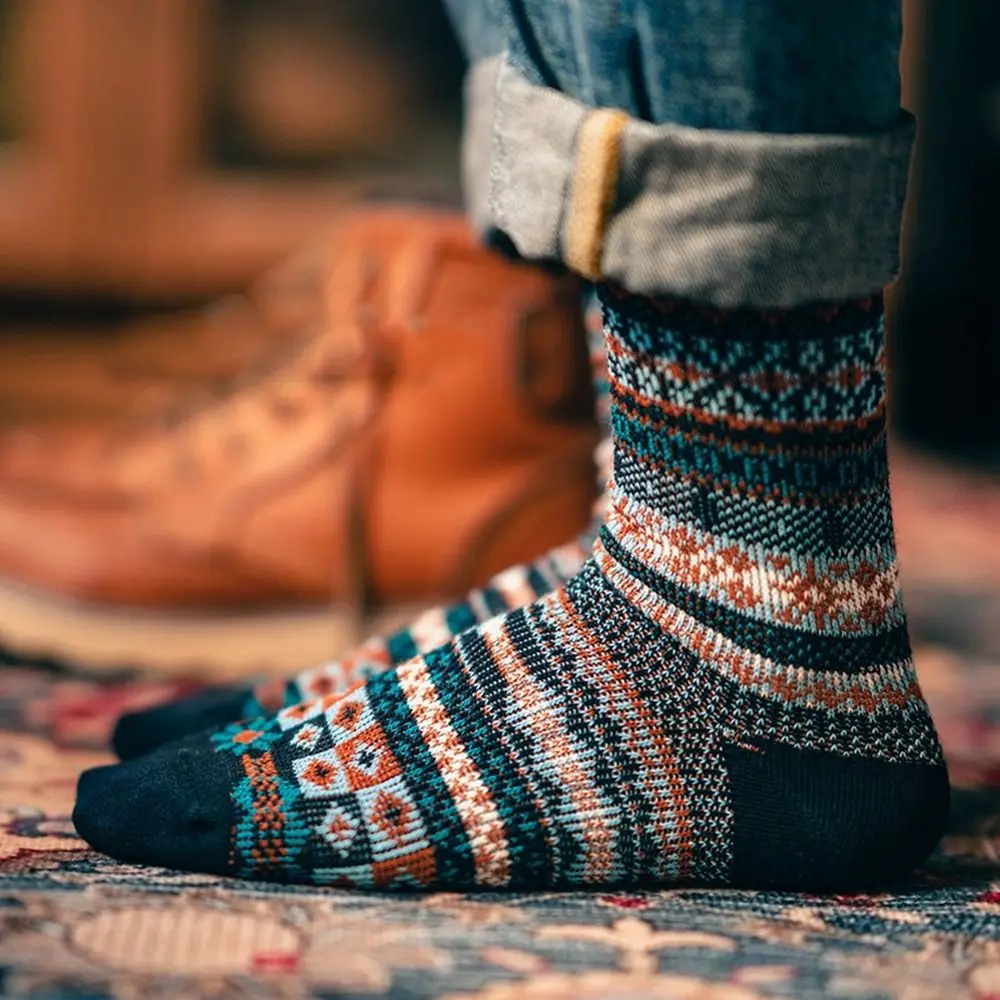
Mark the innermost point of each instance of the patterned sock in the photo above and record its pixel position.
(138, 733)
(723, 694)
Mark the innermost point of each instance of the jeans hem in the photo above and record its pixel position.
(726, 218)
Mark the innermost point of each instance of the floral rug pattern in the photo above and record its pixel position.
(77, 926)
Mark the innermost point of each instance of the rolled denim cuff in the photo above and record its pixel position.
(726, 218)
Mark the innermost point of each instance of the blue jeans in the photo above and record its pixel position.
(754, 150)
(739, 65)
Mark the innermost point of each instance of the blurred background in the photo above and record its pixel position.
(164, 149)
(158, 154)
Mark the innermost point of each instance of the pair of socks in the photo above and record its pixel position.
(723, 693)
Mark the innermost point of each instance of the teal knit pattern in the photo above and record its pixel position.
(723, 694)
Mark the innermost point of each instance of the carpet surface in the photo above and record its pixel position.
(76, 925)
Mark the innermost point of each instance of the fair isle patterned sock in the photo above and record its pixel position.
(723, 694)
(137, 733)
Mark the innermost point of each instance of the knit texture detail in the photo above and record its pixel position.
(723, 694)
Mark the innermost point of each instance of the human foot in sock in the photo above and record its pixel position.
(723, 694)
(137, 733)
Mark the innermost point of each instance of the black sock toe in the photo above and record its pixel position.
(139, 733)
(169, 808)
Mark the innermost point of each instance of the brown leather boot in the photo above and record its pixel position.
(94, 370)
(436, 429)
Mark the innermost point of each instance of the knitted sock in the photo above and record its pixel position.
(137, 733)
(723, 694)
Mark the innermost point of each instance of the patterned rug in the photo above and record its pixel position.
(76, 925)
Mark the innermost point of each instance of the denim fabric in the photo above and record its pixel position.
(480, 25)
(738, 65)
(757, 155)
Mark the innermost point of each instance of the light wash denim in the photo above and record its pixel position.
(737, 152)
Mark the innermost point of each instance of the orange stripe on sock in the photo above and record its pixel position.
(555, 742)
(654, 752)
(813, 596)
(474, 804)
(885, 686)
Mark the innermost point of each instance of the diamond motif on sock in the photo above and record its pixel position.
(349, 715)
(295, 715)
(340, 827)
(321, 775)
(392, 819)
(306, 738)
(367, 759)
